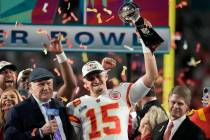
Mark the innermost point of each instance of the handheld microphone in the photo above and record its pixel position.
(51, 113)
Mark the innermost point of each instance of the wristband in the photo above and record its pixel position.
(144, 48)
(61, 57)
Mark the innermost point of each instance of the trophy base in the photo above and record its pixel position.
(149, 36)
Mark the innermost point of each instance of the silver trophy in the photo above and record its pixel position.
(130, 13)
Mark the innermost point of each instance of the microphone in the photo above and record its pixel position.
(51, 113)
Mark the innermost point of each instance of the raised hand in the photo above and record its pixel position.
(108, 63)
(55, 45)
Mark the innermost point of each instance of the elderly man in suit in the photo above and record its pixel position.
(179, 127)
(40, 117)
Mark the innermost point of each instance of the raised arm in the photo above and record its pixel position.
(69, 78)
(141, 87)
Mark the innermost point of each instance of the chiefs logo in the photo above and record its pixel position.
(115, 95)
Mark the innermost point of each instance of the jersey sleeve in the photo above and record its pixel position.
(73, 115)
(137, 91)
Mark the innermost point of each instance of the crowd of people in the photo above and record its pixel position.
(31, 109)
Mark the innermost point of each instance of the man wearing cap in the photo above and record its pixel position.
(23, 83)
(7, 75)
(104, 114)
(40, 116)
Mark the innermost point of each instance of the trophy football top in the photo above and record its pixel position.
(129, 12)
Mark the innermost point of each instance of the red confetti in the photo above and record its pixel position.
(182, 4)
(68, 43)
(198, 47)
(74, 16)
(66, 20)
(34, 66)
(112, 17)
(64, 15)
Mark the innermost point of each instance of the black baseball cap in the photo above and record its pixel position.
(39, 74)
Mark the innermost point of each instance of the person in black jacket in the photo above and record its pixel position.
(151, 107)
(31, 120)
(179, 126)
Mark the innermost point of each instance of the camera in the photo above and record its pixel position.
(206, 90)
(206, 95)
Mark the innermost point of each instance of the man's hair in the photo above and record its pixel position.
(183, 92)
(151, 92)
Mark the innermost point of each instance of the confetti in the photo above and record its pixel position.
(198, 47)
(45, 51)
(182, 4)
(190, 82)
(128, 47)
(193, 62)
(84, 57)
(99, 18)
(18, 24)
(61, 37)
(64, 15)
(68, 43)
(54, 59)
(92, 10)
(123, 74)
(185, 46)
(5, 34)
(44, 9)
(68, 6)
(112, 17)
(77, 90)
(57, 72)
(64, 99)
(107, 11)
(34, 66)
(59, 11)
(82, 46)
(2, 43)
(66, 20)
(124, 70)
(178, 36)
(42, 31)
(74, 16)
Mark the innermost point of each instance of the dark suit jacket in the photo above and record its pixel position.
(186, 131)
(24, 118)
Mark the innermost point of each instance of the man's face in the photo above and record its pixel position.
(23, 83)
(177, 106)
(96, 82)
(7, 78)
(42, 90)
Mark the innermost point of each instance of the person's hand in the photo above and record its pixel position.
(55, 46)
(108, 63)
(145, 129)
(49, 127)
(147, 23)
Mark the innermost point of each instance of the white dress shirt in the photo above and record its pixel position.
(176, 124)
(57, 118)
